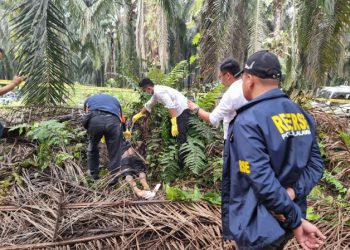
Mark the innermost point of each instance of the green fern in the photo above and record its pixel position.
(200, 129)
(168, 161)
(195, 158)
(333, 181)
(174, 78)
(179, 72)
(209, 100)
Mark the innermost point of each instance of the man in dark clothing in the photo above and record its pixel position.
(104, 118)
(133, 168)
(271, 163)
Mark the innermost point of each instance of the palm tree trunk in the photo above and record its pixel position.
(163, 50)
(140, 34)
(277, 12)
(209, 43)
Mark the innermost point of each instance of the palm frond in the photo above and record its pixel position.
(40, 33)
(322, 26)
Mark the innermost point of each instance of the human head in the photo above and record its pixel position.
(229, 71)
(1, 53)
(261, 73)
(147, 85)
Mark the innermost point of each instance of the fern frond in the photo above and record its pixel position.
(195, 158)
(169, 163)
(208, 101)
(200, 129)
(179, 72)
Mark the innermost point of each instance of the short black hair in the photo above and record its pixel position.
(231, 66)
(145, 83)
(1, 50)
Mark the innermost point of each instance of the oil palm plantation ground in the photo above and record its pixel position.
(93, 41)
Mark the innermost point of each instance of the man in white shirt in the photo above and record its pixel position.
(230, 76)
(174, 101)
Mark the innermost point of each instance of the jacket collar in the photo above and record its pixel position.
(272, 94)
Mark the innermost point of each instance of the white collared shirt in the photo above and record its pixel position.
(169, 97)
(232, 100)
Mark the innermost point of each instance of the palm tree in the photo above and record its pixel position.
(320, 41)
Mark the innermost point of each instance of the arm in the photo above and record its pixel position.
(15, 82)
(254, 165)
(204, 115)
(172, 112)
(311, 174)
(148, 105)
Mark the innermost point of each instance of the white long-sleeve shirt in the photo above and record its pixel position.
(169, 97)
(232, 100)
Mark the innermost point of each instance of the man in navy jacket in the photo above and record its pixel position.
(271, 163)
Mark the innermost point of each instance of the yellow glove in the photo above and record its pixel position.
(137, 116)
(127, 134)
(103, 139)
(174, 130)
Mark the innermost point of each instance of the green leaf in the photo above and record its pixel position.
(310, 215)
(213, 197)
(196, 39)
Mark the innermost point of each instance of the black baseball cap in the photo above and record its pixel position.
(263, 64)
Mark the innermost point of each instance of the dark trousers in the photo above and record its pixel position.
(109, 126)
(280, 243)
(182, 125)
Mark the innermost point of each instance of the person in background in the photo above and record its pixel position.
(271, 163)
(175, 102)
(104, 119)
(15, 81)
(230, 76)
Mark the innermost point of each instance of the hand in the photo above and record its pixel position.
(281, 217)
(17, 80)
(137, 116)
(308, 235)
(174, 130)
(127, 134)
(191, 105)
(291, 193)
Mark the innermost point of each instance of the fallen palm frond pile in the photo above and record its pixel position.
(27, 114)
(52, 212)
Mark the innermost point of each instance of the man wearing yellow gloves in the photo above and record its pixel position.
(175, 102)
(104, 119)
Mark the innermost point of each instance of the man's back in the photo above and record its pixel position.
(103, 102)
(271, 146)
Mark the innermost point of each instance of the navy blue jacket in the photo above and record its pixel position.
(271, 146)
(103, 102)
